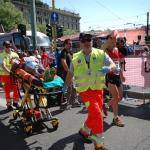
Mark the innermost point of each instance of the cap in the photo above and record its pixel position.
(83, 34)
(5, 43)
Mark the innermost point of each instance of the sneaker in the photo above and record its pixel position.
(101, 148)
(85, 137)
(76, 104)
(105, 110)
(16, 105)
(10, 108)
(118, 122)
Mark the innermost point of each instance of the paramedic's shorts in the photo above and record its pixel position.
(113, 79)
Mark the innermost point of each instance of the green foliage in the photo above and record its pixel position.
(41, 27)
(10, 17)
(70, 32)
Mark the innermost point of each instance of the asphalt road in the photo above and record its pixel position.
(134, 136)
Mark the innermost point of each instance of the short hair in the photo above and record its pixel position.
(146, 48)
(42, 48)
(29, 52)
(66, 41)
(122, 40)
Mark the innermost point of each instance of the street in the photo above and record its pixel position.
(134, 136)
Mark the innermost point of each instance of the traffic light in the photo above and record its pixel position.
(22, 29)
(59, 30)
(49, 30)
(147, 39)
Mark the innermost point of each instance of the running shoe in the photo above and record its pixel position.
(85, 137)
(118, 122)
(10, 108)
(16, 105)
(76, 104)
(105, 110)
(101, 148)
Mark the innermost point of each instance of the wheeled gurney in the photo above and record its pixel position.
(39, 96)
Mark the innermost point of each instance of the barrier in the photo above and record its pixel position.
(136, 70)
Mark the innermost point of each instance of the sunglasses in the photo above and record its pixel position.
(85, 40)
(7, 46)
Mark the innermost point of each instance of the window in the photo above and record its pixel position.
(21, 9)
(67, 25)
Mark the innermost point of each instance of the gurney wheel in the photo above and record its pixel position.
(15, 115)
(28, 130)
(55, 124)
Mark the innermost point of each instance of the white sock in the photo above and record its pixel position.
(115, 117)
(106, 106)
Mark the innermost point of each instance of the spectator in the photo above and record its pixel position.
(65, 62)
(52, 58)
(130, 50)
(85, 68)
(121, 47)
(37, 56)
(146, 51)
(44, 57)
(58, 61)
(99, 44)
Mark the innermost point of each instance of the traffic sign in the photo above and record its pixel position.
(54, 16)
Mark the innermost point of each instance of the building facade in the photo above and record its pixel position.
(67, 19)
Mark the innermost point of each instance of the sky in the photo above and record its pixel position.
(107, 14)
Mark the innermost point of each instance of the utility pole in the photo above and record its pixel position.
(147, 24)
(33, 22)
(54, 25)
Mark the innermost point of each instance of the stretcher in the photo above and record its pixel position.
(39, 97)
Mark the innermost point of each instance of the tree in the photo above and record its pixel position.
(41, 27)
(10, 16)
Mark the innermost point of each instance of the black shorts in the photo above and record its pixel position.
(113, 79)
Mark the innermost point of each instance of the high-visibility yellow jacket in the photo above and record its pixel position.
(6, 59)
(89, 77)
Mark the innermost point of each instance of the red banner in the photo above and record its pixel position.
(136, 71)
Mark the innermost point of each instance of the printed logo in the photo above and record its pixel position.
(79, 61)
(94, 58)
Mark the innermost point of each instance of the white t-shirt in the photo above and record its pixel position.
(51, 55)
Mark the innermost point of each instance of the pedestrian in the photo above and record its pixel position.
(146, 51)
(99, 44)
(44, 57)
(8, 82)
(88, 67)
(52, 58)
(58, 61)
(66, 58)
(130, 50)
(114, 79)
(36, 55)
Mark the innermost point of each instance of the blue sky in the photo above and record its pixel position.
(104, 14)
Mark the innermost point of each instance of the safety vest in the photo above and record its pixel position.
(89, 77)
(7, 59)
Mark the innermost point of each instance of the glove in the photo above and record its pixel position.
(64, 90)
(104, 69)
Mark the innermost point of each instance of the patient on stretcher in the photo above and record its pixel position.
(31, 65)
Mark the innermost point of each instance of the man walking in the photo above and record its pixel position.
(8, 82)
(65, 61)
(88, 68)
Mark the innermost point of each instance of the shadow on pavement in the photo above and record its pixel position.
(141, 112)
(78, 143)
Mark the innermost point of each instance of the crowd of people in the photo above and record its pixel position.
(85, 73)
